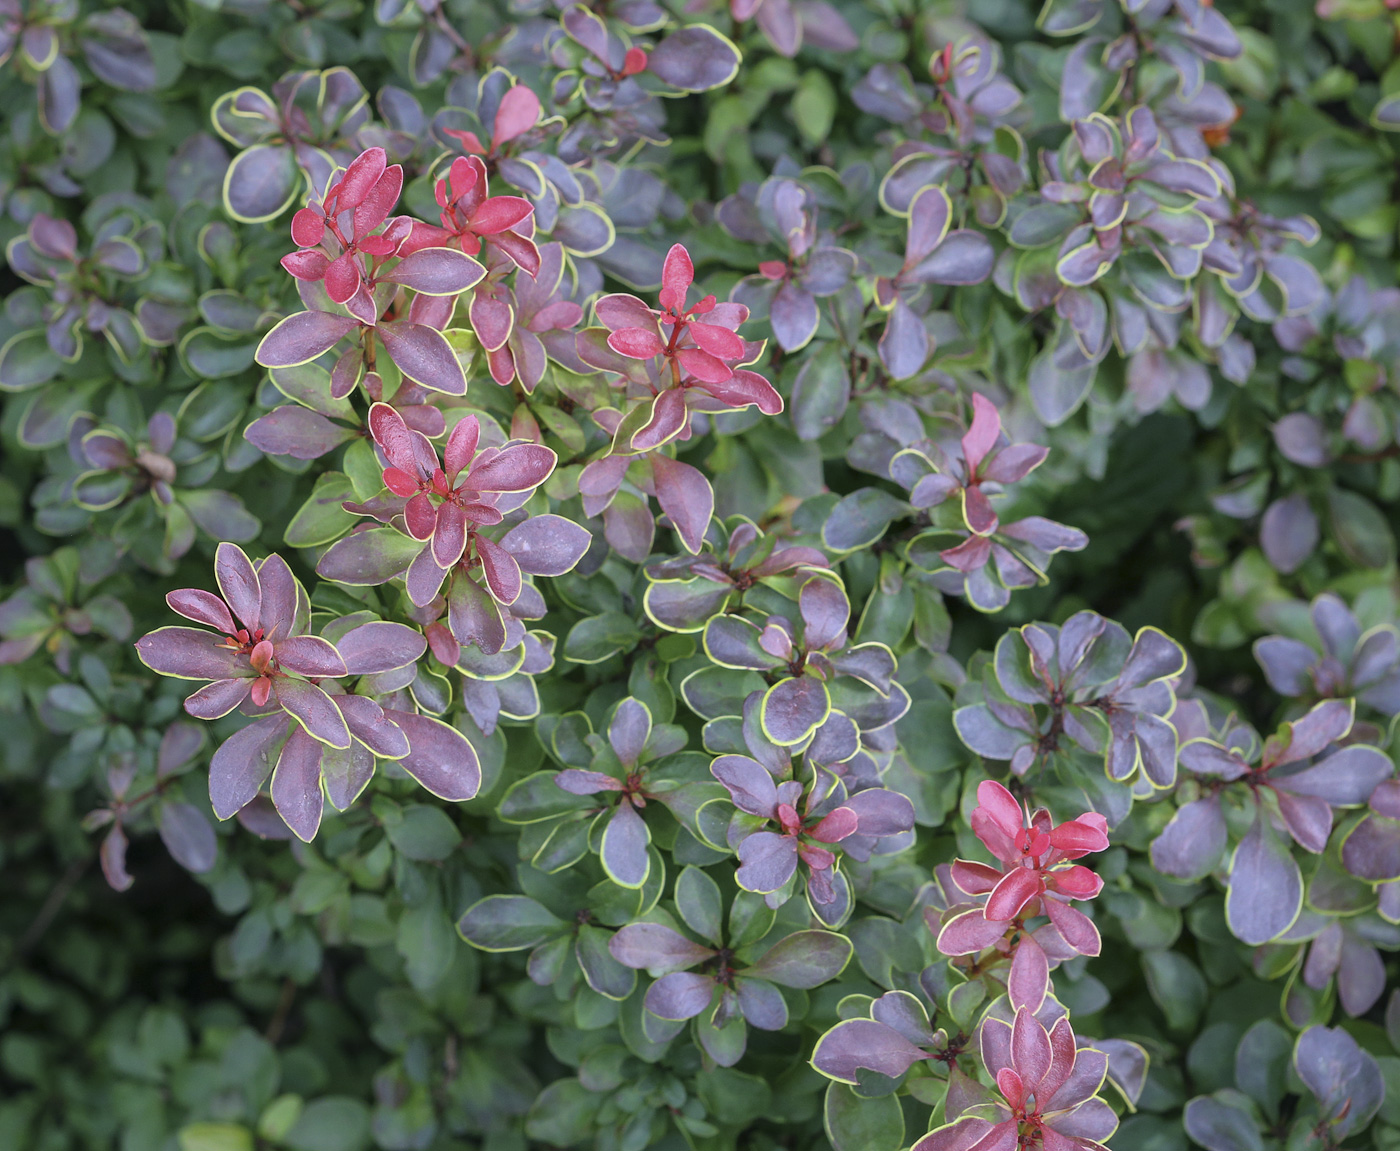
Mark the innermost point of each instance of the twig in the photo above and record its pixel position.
(52, 905)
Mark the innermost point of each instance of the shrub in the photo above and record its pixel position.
(643, 576)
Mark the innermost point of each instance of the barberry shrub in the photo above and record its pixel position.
(784, 574)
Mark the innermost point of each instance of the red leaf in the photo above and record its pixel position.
(518, 113)
(637, 343)
(677, 274)
(499, 213)
(308, 226)
(343, 277)
(306, 264)
(392, 435)
(704, 367)
(359, 178)
(379, 202)
(717, 341)
(982, 436)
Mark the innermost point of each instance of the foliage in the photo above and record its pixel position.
(638, 575)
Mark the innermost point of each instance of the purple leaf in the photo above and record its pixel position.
(238, 583)
(441, 759)
(1191, 845)
(864, 1043)
(1302, 438)
(113, 858)
(695, 58)
(375, 730)
(1372, 849)
(243, 762)
(629, 731)
(296, 785)
(624, 850)
(655, 948)
(178, 746)
(369, 557)
(262, 182)
(964, 257)
(1286, 663)
(905, 345)
(1266, 887)
(881, 812)
(1346, 778)
(735, 643)
(761, 1004)
(277, 608)
(302, 337)
(547, 545)
(311, 656)
(188, 837)
(680, 995)
(766, 861)
(686, 497)
(969, 933)
(825, 613)
(516, 468)
(292, 430)
(436, 272)
(380, 646)
(749, 784)
(805, 959)
(314, 710)
(1288, 533)
(474, 616)
(793, 316)
(1154, 656)
(423, 355)
(215, 700)
(1324, 724)
(794, 708)
(188, 653)
(1309, 820)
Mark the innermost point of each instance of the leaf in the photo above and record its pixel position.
(1266, 887)
(860, 519)
(302, 337)
(188, 837)
(261, 183)
(436, 272)
(424, 834)
(508, 923)
(820, 393)
(805, 959)
(1222, 1122)
(794, 708)
(423, 355)
(215, 1137)
(291, 430)
(695, 59)
(624, 853)
(855, 1123)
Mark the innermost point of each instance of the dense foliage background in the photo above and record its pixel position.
(666, 482)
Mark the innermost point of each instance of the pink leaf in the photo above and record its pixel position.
(519, 111)
(982, 436)
(677, 274)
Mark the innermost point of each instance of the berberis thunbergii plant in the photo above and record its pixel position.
(781, 575)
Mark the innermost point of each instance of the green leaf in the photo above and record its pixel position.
(425, 834)
(215, 1137)
(508, 923)
(333, 1123)
(855, 1123)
